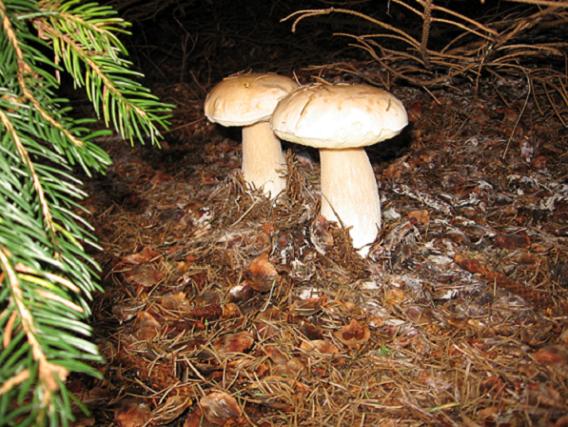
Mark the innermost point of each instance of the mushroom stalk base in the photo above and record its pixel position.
(350, 194)
(264, 165)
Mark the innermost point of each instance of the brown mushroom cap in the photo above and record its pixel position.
(245, 99)
(338, 116)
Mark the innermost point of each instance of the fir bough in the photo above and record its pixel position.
(46, 276)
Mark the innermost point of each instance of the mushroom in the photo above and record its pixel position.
(340, 120)
(248, 100)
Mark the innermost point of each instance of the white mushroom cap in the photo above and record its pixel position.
(248, 100)
(340, 120)
(338, 116)
(245, 99)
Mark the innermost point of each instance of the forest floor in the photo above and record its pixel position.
(221, 308)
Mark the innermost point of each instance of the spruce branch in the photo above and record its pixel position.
(93, 56)
(46, 276)
(47, 217)
(49, 374)
(14, 381)
(91, 23)
(24, 70)
(29, 76)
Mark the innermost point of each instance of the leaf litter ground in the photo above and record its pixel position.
(221, 308)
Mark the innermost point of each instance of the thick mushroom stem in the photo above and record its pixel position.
(264, 165)
(349, 191)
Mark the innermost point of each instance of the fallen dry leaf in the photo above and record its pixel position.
(230, 310)
(145, 275)
(513, 240)
(280, 393)
(488, 414)
(546, 395)
(564, 337)
(394, 296)
(275, 354)
(268, 228)
(146, 255)
(184, 265)
(283, 365)
(418, 314)
(421, 217)
(354, 335)
(126, 311)
(292, 368)
(261, 274)
(234, 343)
(219, 408)
(319, 346)
(175, 301)
(160, 177)
(132, 414)
(207, 178)
(394, 170)
(266, 323)
(414, 111)
(194, 419)
(492, 384)
(308, 307)
(208, 312)
(551, 355)
(311, 331)
(146, 326)
(539, 162)
(171, 409)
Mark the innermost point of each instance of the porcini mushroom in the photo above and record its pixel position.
(248, 100)
(341, 120)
